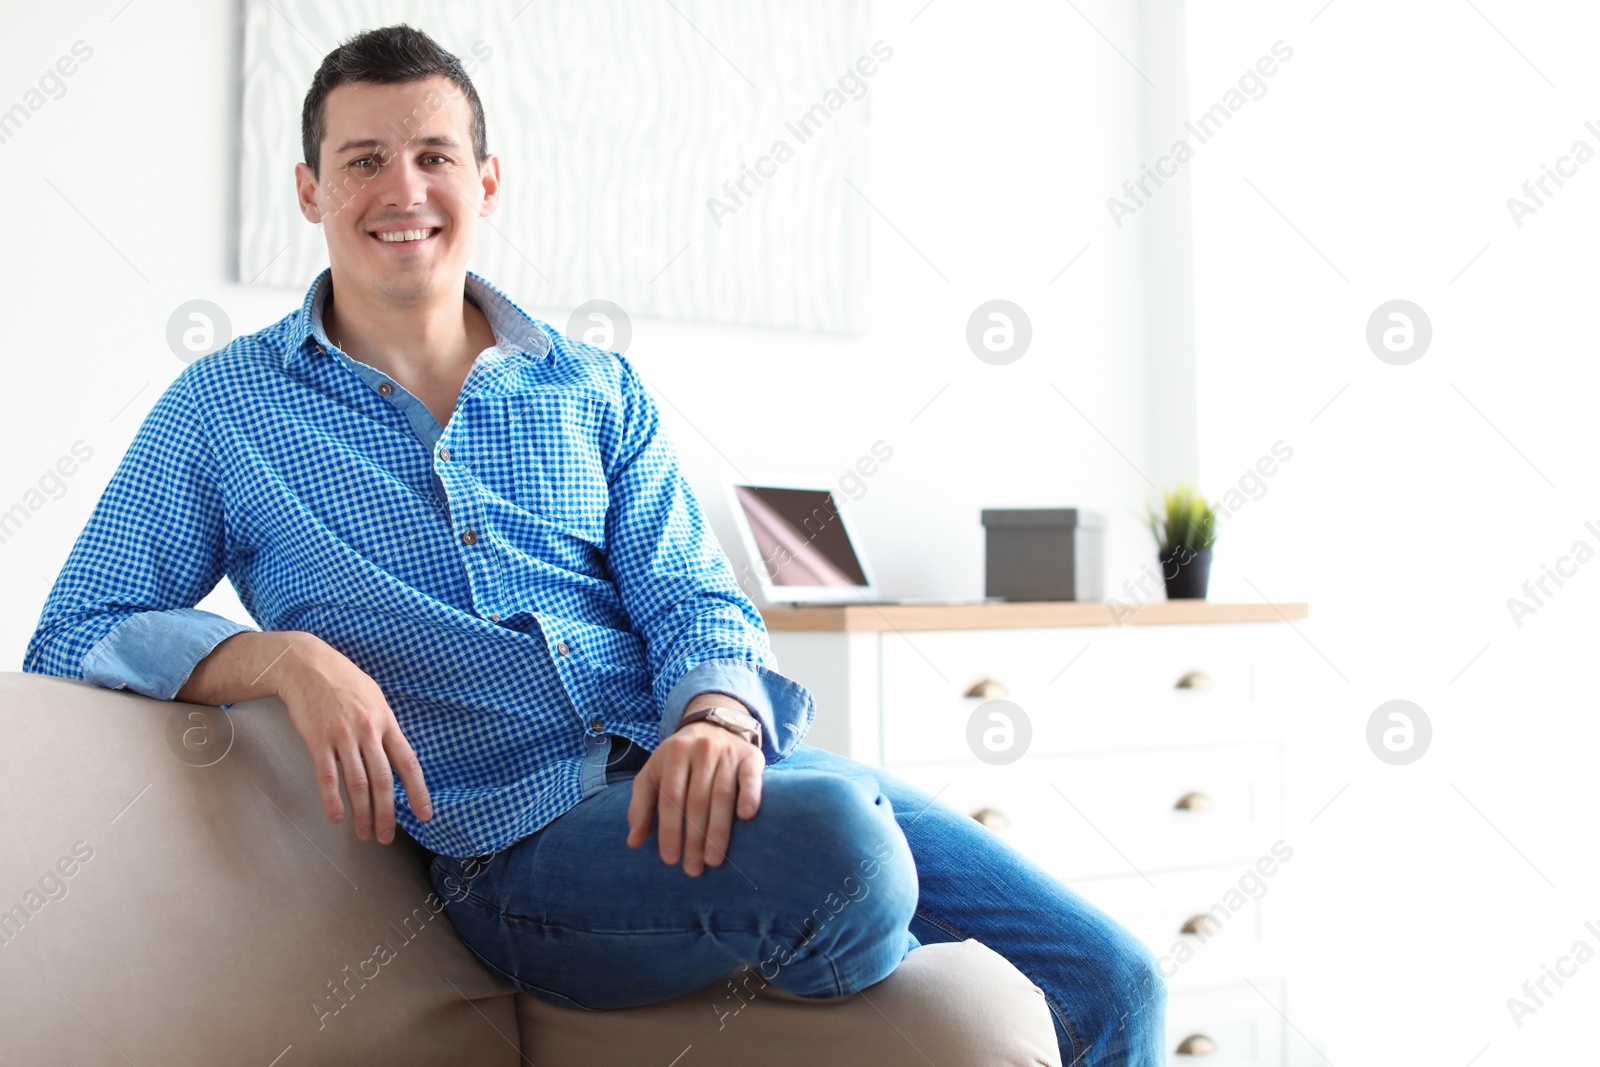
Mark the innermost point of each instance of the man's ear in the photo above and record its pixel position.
(489, 174)
(305, 188)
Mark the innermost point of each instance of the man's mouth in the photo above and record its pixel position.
(406, 237)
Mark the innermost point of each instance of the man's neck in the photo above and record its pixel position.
(426, 341)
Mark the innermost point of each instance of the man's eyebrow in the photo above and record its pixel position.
(437, 140)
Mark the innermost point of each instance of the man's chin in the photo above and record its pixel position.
(411, 280)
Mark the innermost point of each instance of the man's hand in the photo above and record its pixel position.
(346, 723)
(696, 776)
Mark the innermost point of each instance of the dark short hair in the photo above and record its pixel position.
(387, 56)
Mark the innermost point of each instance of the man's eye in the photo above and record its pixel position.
(359, 163)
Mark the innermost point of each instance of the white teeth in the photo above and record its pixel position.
(403, 235)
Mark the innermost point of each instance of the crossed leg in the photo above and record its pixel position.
(844, 870)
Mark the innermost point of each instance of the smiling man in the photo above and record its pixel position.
(488, 597)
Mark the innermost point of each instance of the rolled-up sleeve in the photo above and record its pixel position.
(764, 691)
(154, 652)
(121, 613)
(701, 631)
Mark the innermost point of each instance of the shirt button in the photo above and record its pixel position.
(597, 726)
(385, 388)
(562, 648)
(469, 538)
(444, 454)
(494, 618)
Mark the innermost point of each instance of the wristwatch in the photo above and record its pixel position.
(738, 720)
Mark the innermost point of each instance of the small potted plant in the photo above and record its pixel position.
(1185, 529)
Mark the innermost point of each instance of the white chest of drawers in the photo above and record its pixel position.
(1151, 781)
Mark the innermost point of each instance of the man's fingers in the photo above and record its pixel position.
(409, 768)
(750, 785)
(382, 791)
(669, 808)
(327, 769)
(719, 824)
(355, 784)
(697, 808)
(642, 806)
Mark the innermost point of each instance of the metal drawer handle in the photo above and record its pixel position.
(993, 818)
(1194, 802)
(1202, 924)
(1196, 1045)
(987, 689)
(1194, 680)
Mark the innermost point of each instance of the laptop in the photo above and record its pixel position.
(801, 547)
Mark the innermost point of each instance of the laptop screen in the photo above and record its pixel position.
(800, 536)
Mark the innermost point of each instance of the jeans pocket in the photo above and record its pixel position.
(457, 879)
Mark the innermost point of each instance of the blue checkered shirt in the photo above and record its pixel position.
(523, 583)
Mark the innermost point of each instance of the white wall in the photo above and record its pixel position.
(998, 132)
(1419, 500)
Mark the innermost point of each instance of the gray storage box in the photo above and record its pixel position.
(1044, 554)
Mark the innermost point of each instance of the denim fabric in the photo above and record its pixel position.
(843, 870)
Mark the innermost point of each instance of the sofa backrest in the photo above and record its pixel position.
(170, 892)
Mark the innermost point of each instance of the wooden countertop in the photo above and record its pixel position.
(870, 618)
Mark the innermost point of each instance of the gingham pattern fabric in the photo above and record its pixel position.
(521, 583)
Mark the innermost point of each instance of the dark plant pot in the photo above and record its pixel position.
(1187, 573)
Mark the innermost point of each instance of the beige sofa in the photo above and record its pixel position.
(171, 893)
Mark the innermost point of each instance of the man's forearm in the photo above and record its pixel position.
(248, 665)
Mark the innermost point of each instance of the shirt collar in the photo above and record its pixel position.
(514, 329)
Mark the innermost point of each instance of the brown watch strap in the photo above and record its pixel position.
(751, 734)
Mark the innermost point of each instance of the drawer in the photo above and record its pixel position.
(1205, 927)
(1240, 1028)
(1080, 688)
(1117, 813)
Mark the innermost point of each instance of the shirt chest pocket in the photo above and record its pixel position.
(555, 468)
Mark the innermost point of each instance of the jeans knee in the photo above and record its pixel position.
(1138, 987)
(854, 855)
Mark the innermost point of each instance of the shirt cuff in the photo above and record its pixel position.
(783, 706)
(154, 652)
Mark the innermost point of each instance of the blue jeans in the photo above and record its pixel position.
(843, 870)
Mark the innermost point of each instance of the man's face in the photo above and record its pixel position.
(398, 158)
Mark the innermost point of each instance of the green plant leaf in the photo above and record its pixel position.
(1185, 520)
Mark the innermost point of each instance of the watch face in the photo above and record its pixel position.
(735, 716)
(744, 723)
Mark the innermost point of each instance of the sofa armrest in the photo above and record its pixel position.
(174, 894)
(951, 1003)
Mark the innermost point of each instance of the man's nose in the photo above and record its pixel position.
(403, 184)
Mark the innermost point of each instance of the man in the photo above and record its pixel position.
(487, 595)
